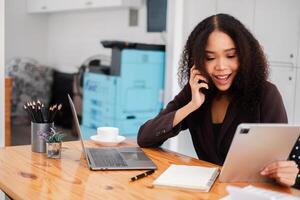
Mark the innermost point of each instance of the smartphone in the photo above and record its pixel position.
(208, 82)
(203, 90)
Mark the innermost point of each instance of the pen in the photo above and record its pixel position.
(142, 175)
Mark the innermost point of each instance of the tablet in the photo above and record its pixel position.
(253, 147)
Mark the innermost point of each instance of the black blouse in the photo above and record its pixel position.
(209, 146)
(295, 155)
(217, 128)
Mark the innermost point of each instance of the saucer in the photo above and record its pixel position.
(98, 140)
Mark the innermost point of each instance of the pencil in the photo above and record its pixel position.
(142, 175)
(29, 106)
(43, 113)
(58, 109)
(40, 114)
(28, 112)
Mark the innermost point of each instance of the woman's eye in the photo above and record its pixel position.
(209, 58)
(231, 56)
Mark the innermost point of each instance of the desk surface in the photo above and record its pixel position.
(28, 175)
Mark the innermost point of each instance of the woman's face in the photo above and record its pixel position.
(221, 60)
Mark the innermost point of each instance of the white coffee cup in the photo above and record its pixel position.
(108, 134)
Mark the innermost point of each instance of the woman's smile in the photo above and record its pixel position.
(221, 79)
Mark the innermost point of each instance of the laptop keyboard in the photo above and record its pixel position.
(107, 158)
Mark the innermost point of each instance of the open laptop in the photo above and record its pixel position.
(253, 147)
(118, 158)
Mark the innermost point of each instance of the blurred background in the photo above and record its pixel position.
(118, 59)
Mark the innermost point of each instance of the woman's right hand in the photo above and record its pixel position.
(197, 96)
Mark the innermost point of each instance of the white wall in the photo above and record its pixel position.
(75, 36)
(174, 47)
(2, 90)
(25, 35)
(194, 12)
(65, 39)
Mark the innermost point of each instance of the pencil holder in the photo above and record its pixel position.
(38, 144)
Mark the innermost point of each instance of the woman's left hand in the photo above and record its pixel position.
(284, 172)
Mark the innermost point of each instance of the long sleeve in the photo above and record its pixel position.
(157, 130)
(272, 107)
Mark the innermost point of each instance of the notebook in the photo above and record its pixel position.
(188, 177)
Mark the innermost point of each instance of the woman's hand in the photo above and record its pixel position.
(197, 97)
(284, 172)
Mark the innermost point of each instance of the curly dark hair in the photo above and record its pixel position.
(253, 67)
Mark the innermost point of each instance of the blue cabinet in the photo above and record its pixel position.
(126, 100)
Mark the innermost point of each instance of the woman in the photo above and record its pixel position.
(227, 85)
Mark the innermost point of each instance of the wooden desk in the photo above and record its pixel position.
(27, 175)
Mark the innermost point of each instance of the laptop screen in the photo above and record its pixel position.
(77, 124)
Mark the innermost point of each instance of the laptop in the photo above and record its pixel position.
(117, 158)
(253, 147)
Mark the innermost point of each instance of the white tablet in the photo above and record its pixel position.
(253, 147)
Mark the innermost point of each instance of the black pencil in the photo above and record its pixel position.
(39, 102)
(35, 114)
(44, 113)
(58, 109)
(53, 113)
(29, 113)
(40, 114)
(29, 106)
(142, 175)
(50, 114)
